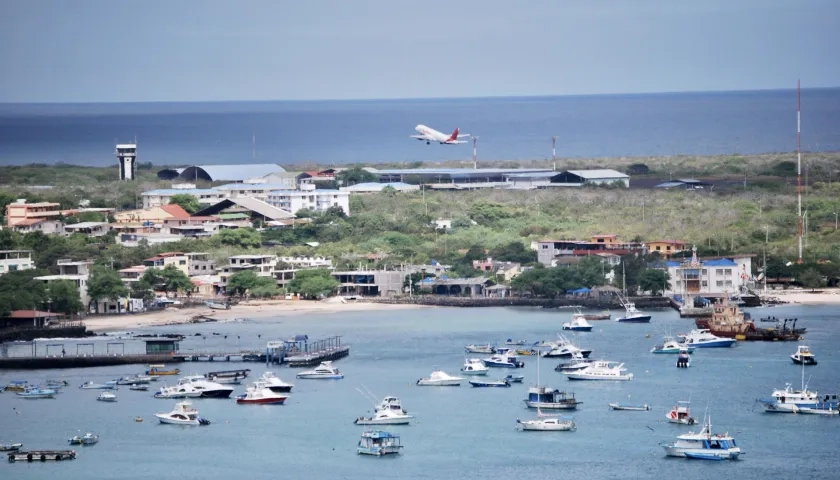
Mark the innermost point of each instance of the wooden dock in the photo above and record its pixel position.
(41, 455)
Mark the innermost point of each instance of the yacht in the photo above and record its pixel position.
(803, 356)
(207, 388)
(703, 338)
(547, 397)
(390, 403)
(86, 439)
(670, 345)
(793, 401)
(480, 348)
(259, 393)
(178, 391)
(564, 348)
(547, 423)
(578, 363)
(474, 366)
(324, 371)
(439, 378)
(107, 397)
(601, 370)
(385, 417)
(632, 314)
(504, 358)
(139, 388)
(183, 414)
(578, 323)
(379, 443)
(275, 384)
(681, 413)
(703, 445)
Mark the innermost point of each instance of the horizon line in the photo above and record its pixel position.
(489, 97)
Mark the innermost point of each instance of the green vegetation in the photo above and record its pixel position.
(63, 297)
(241, 283)
(19, 291)
(167, 279)
(186, 201)
(105, 284)
(313, 283)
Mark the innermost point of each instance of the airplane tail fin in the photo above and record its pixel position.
(454, 135)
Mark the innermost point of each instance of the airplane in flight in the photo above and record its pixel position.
(431, 135)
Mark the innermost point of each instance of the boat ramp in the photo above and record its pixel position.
(299, 351)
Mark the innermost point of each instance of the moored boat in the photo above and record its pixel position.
(98, 386)
(107, 397)
(474, 366)
(562, 348)
(703, 445)
(547, 423)
(34, 393)
(681, 413)
(670, 345)
(207, 388)
(578, 323)
(503, 358)
(385, 417)
(439, 378)
(728, 321)
(702, 338)
(601, 370)
(631, 313)
(324, 371)
(139, 388)
(480, 348)
(378, 443)
(551, 398)
(275, 384)
(632, 408)
(597, 316)
(489, 383)
(86, 439)
(178, 391)
(10, 447)
(683, 359)
(259, 393)
(230, 377)
(157, 370)
(804, 356)
(514, 378)
(17, 386)
(132, 380)
(183, 414)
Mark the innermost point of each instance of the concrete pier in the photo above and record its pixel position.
(298, 351)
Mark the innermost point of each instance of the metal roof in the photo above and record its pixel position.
(548, 174)
(599, 173)
(176, 191)
(85, 225)
(378, 187)
(254, 186)
(234, 173)
(249, 203)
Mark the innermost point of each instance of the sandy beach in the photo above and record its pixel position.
(825, 296)
(250, 310)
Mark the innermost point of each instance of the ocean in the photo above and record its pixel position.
(459, 432)
(377, 131)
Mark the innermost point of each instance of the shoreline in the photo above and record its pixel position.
(284, 308)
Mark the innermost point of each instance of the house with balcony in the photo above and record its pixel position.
(309, 198)
(666, 248)
(76, 271)
(43, 225)
(19, 211)
(370, 283)
(264, 265)
(550, 252)
(132, 275)
(200, 263)
(163, 260)
(14, 260)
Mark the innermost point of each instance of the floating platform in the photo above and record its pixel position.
(221, 357)
(41, 455)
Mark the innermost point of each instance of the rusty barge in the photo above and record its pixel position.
(729, 321)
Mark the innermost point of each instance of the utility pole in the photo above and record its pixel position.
(799, 167)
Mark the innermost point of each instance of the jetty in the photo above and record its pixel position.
(298, 351)
(41, 455)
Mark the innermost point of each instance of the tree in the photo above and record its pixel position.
(239, 237)
(513, 252)
(355, 175)
(266, 287)
(186, 201)
(63, 297)
(20, 291)
(313, 283)
(143, 290)
(167, 279)
(811, 279)
(590, 271)
(105, 284)
(653, 280)
(240, 282)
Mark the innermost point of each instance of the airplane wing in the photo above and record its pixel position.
(420, 137)
(452, 142)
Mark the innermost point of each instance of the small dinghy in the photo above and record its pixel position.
(107, 397)
(634, 408)
(10, 447)
(489, 383)
(139, 388)
(514, 378)
(86, 439)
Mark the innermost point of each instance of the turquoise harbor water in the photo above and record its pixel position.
(459, 432)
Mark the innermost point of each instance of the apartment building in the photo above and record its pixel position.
(20, 211)
(309, 198)
(75, 271)
(13, 260)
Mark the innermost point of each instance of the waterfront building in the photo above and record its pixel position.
(200, 263)
(372, 283)
(263, 265)
(162, 260)
(14, 260)
(91, 229)
(712, 276)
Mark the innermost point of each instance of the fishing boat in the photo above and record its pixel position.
(578, 323)
(597, 316)
(728, 321)
(792, 401)
(132, 380)
(514, 378)
(827, 409)
(34, 393)
(562, 348)
(183, 414)
(526, 352)
(324, 371)
(10, 447)
(503, 358)
(139, 388)
(480, 348)
(390, 403)
(578, 363)
(207, 388)
(551, 398)
(86, 439)
(385, 417)
(229, 377)
(547, 423)
(683, 359)
(379, 443)
(98, 386)
(56, 384)
(601, 370)
(107, 397)
(703, 445)
(703, 338)
(158, 370)
(681, 413)
(632, 408)
(631, 313)
(17, 386)
(489, 383)
(803, 356)
(474, 366)
(439, 378)
(218, 305)
(670, 345)
(259, 394)
(275, 384)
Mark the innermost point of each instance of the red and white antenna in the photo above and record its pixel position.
(799, 168)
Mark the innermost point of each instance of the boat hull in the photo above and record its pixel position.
(11, 448)
(474, 373)
(578, 329)
(216, 393)
(804, 360)
(578, 376)
(438, 383)
(552, 405)
(568, 354)
(170, 421)
(531, 426)
(702, 453)
(631, 408)
(388, 421)
(261, 401)
(722, 343)
(639, 319)
(489, 384)
(304, 376)
(494, 364)
(378, 451)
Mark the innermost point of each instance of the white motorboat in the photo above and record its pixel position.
(228, 377)
(632, 408)
(385, 417)
(670, 345)
(480, 348)
(578, 363)
(324, 371)
(98, 386)
(547, 423)
(390, 403)
(703, 445)
(601, 370)
(439, 378)
(504, 358)
(260, 394)
(683, 359)
(139, 388)
(33, 393)
(804, 356)
(132, 380)
(703, 338)
(183, 414)
(178, 391)
(474, 366)
(107, 397)
(207, 388)
(275, 384)
(681, 413)
(86, 439)
(631, 313)
(578, 323)
(562, 347)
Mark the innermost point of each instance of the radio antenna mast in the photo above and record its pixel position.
(799, 167)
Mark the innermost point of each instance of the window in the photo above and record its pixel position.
(667, 248)
(719, 283)
(703, 271)
(728, 271)
(719, 271)
(705, 283)
(658, 248)
(729, 283)
(182, 262)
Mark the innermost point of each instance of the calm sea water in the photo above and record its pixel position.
(459, 432)
(378, 131)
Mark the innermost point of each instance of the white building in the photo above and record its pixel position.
(77, 272)
(160, 197)
(309, 198)
(261, 264)
(712, 276)
(373, 187)
(13, 260)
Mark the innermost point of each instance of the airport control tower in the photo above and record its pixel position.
(127, 156)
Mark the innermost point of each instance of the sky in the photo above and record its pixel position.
(211, 50)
